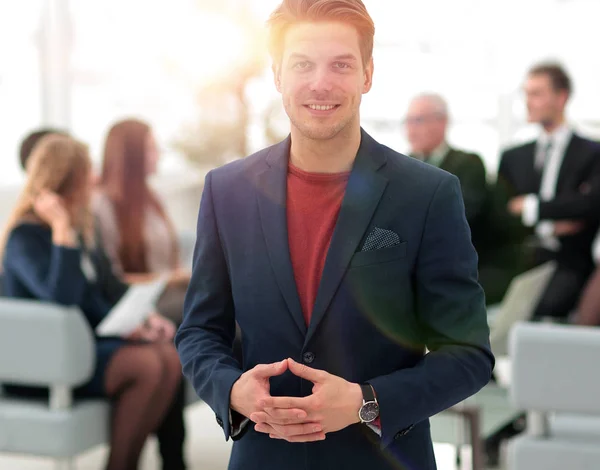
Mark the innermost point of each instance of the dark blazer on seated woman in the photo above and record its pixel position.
(35, 268)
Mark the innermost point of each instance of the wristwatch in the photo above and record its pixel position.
(369, 411)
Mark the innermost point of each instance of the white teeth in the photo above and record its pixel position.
(318, 107)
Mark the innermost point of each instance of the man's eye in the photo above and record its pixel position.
(342, 65)
(302, 65)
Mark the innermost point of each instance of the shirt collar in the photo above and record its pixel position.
(437, 156)
(560, 136)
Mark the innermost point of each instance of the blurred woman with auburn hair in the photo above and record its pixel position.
(137, 232)
(49, 254)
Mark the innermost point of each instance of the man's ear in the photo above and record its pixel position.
(368, 75)
(277, 76)
(564, 98)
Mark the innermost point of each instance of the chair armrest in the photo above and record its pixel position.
(554, 368)
(43, 344)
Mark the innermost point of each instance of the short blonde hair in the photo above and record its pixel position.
(290, 12)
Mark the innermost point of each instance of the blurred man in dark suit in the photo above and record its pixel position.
(426, 128)
(545, 181)
(426, 124)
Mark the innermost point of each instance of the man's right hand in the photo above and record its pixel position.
(252, 388)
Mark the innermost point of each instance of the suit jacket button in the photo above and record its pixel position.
(219, 421)
(308, 357)
(404, 432)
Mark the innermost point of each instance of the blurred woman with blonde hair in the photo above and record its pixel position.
(48, 254)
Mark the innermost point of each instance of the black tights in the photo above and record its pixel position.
(171, 434)
(142, 382)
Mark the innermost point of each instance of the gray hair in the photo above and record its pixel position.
(436, 100)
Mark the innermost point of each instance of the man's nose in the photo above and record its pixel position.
(321, 80)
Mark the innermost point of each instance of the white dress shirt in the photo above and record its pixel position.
(559, 140)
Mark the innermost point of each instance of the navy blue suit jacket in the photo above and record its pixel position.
(375, 314)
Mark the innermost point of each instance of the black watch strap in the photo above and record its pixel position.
(368, 394)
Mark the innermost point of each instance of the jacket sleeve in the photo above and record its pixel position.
(205, 338)
(504, 227)
(581, 203)
(451, 311)
(50, 272)
(473, 185)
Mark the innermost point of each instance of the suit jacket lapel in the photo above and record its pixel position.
(532, 177)
(364, 190)
(447, 162)
(571, 160)
(272, 195)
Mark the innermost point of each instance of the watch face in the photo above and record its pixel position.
(369, 412)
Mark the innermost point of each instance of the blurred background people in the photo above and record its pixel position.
(49, 253)
(30, 141)
(537, 181)
(557, 164)
(137, 233)
(426, 124)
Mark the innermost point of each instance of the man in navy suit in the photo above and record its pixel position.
(343, 262)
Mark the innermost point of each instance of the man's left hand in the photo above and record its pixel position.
(333, 405)
(515, 205)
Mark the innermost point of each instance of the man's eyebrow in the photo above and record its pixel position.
(350, 57)
(297, 55)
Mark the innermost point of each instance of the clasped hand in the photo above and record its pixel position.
(332, 406)
(155, 329)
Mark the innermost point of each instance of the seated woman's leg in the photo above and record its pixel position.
(171, 432)
(135, 382)
(561, 294)
(588, 310)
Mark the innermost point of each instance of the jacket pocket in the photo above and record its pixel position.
(384, 255)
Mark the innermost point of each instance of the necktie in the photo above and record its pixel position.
(542, 156)
(549, 174)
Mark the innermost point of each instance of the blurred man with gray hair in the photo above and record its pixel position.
(426, 126)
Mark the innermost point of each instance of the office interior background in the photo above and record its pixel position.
(83, 64)
(198, 72)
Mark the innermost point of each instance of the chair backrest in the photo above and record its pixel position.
(43, 344)
(555, 368)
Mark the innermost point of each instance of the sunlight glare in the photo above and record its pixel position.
(204, 47)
